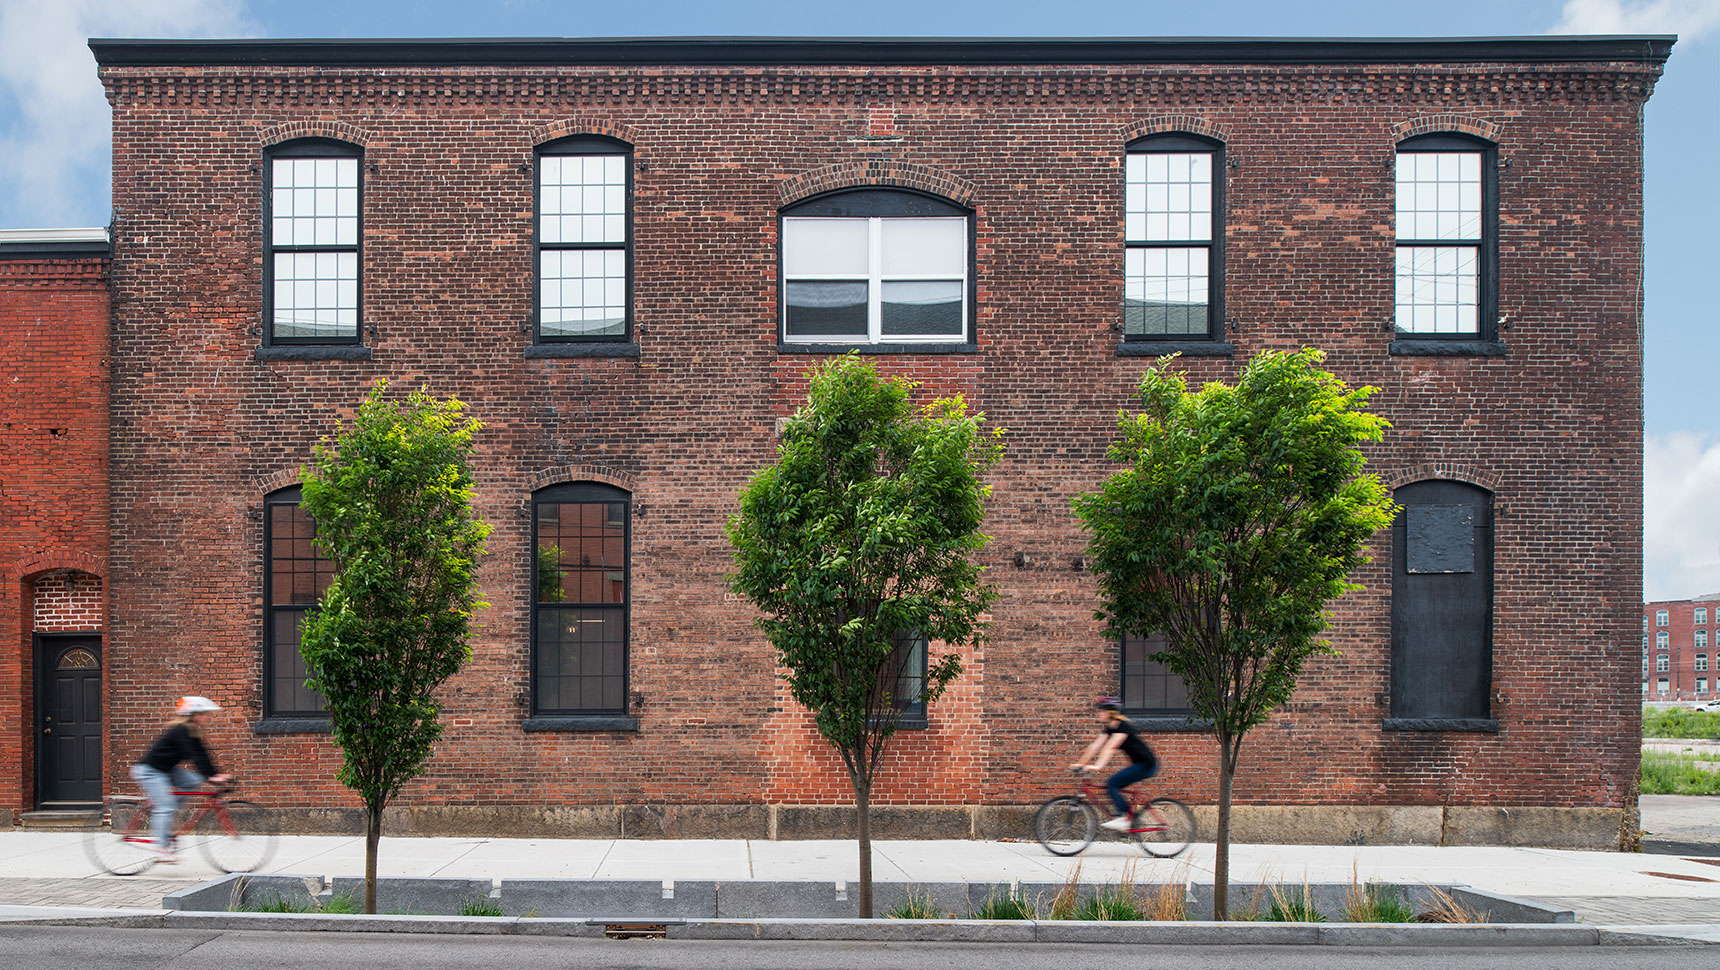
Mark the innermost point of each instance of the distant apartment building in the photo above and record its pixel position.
(1678, 646)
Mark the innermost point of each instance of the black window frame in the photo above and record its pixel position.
(1487, 250)
(578, 145)
(881, 202)
(1184, 143)
(289, 496)
(911, 715)
(584, 492)
(1133, 702)
(315, 147)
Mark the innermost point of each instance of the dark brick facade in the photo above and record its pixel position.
(204, 426)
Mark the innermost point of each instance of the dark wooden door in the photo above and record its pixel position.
(68, 720)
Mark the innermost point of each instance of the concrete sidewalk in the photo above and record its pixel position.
(50, 868)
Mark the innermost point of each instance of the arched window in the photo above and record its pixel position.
(584, 257)
(581, 536)
(312, 242)
(877, 266)
(1173, 232)
(1442, 607)
(295, 575)
(1447, 219)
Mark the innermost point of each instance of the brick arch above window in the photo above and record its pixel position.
(54, 561)
(294, 130)
(582, 126)
(1433, 124)
(274, 482)
(1444, 471)
(561, 474)
(1167, 124)
(878, 173)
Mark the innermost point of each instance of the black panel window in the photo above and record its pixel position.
(906, 672)
(876, 266)
(1442, 601)
(580, 599)
(584, 240)
(311, 252)
(295, 577)
(1446, 219)
(1149, 687)
(1173, 230)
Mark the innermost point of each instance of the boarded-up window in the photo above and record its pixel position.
(1442, 601)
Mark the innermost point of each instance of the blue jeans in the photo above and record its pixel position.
(158, 787)
(1123, 779)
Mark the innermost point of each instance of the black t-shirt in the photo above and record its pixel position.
(1133, 746)
(178, 745)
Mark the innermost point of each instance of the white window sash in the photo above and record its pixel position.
(875, 279)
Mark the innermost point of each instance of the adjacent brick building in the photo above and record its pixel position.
(53, 514)
(625, 255)
(1680, 641)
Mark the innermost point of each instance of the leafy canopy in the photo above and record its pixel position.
(864, 531)
(1239, 513)
(392, 502)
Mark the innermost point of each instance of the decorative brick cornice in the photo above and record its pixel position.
(1429, 124)
(1162, 124)
(337, 130)
(71, 272)
(582, 473)
(56, 560)
(1444, 470)
(877, 171)
(583, 126)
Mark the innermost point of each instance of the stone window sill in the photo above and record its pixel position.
(580, 722)
(1447, 348)
(292, 725)
(1481, 725)
(314, 352)
(595, 349)
(1188, 348)
(784, 347)
(1168, 722)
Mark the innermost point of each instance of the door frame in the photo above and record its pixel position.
(43, 642)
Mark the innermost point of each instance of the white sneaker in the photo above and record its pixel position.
(1121, 823)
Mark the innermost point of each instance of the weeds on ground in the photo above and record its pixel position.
(1290, 908)
(275, 903)
(1068, 898)
(917, 904)
(1374, 904)
(1677, 774)
(1676, 722)
(1253, 909)
(1011, 905)
(1168, 901)
(342, 905)
(1445, 909)
(480, 906)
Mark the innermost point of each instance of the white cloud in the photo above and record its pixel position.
(54, 119)
(1689, 19)
(1681, 516)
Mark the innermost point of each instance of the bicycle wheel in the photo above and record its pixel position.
(236, 836)
(1164, 827)
(124, 848)
(1065, 825)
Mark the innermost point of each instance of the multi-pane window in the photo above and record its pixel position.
(1173, 227)
(1701, 661)
(1148, 686)
(1701, 639)
(906, 672)
(1661, 640)
(311, 243)
(1701, 615)
(1662, 685)
(870, 266)
(1445, 219)
(580, 532)
(1660, 617)
(295, 577)
(1701, 685)
(1662, 664)
(584, 240)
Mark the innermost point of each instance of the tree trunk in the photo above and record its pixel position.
(372, 836)
(1221, 863)
(863, 823)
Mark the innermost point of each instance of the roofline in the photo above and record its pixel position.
(873, 51)
(54, 243)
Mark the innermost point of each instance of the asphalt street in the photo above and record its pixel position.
(80, 948)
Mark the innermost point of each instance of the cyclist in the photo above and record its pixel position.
(159, 772)
(1115, 732)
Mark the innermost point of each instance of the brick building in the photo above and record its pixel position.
(1680, 639)
(53, 507)
(626, 254)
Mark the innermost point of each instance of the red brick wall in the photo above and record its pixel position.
(1680, 628)
(203, 429)
(53, 467)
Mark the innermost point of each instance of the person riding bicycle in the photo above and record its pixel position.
(1115, 732)
(159, 772)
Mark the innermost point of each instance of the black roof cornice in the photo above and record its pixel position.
(873, 51)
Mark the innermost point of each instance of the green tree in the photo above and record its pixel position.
(859, 540)
(1239, 515)
(392, 500)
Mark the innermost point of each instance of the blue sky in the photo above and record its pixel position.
(54, 138)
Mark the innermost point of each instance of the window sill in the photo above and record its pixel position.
(293, 725)
(314, 352)
(594, 349)
(784, 347)
(1168, 722)
(1188, 348)
(580, 722)
(1481, 725)
(1447, 348)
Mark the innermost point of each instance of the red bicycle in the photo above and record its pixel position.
(1068, 824)
(233, 834)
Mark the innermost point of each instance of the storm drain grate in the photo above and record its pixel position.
(636, 931)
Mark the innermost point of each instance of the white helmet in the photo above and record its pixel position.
(193, 704)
